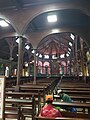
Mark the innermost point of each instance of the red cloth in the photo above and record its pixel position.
(49, 111)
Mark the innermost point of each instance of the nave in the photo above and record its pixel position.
(31, 98)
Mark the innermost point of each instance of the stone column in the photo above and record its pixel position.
(11, 42)
(70, 65)
(77, 70)
(66, 62)
(50, 64)
(82, 55)
(34, 82)
(19, 68)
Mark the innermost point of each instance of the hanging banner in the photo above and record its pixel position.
(2, 97)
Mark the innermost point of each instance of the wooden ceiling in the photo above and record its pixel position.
(54, 43)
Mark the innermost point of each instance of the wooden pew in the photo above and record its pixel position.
(28, 87)
(49, 87)
(69, 115)
(14, 108)
(46, 83)
(11, 81)
(75, 79)
(67, 85)
(74, 114)
(62, 118)
(78, 91)
(76, 105)
(38, 83)
(84, 98)
(20, 94)
(76, 88)
(78, 98)
(13, 113)
(32, 89)
(73, 92)
(45, 88)
(25, 96)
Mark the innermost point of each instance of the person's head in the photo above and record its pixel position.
(49, 99)
(60, 93)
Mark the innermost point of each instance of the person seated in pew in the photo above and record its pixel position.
(66, 98)
(48, 110)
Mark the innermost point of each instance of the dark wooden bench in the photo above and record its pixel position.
(25, 96)
(79, 98)
(29, 88)
(74, 79)
(80, 92)
(26, 89)
(69, 115)
(13, 113)
(36, 90)
(74, 85)
(74, 114)
(62, 118)
(76, 105)
(14, 108)
(11, 81)
(76, 88)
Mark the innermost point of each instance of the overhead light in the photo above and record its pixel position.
(70, 43)
(36, 54)
(67, 54)
(62, 56)
(27, 47)
(69, 49)
(52, 18)
(3, 23)
(40, 56)
(72, 36)
(33, 51)
(54, 57)
(26, 64)
(46, 56)
(17, 40)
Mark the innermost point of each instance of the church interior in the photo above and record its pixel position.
(45, 47)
